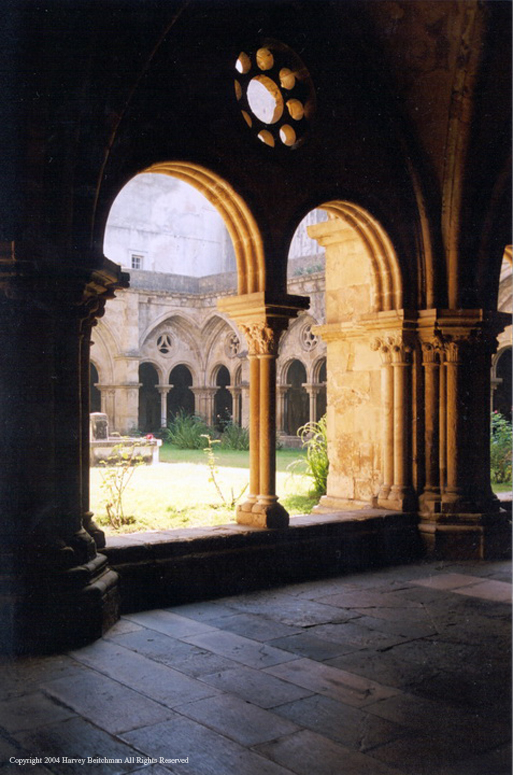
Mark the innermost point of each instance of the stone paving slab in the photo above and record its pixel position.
(288, 609)
(343, 724)
(31, 711)
(240, 721)
(185, 657)
(108, 704)
(308, 753)
(307, 645)
(78, 739)
(256, 687)
(499, 591)
(169, 623)
(156, 681)
(338, 684)
(243, 650)
(447, 581)
(255, 627)
(209, 752)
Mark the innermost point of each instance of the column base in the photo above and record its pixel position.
(266, 515)
(398, 499)
(467, 536)
(56, 611)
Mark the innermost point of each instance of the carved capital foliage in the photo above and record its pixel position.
(263, 338)
(393, 347)
(432, 351)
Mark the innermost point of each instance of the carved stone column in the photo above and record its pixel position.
(263, 341)
(262, 321)
(163, 390)
(313, 391)
(468, 523)
(281, 397)
(387, 413)
(396, 490)
(235, 391)
(430, 499)
(57, 591)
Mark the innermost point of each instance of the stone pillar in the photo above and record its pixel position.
(209, 396)
(313, 391)
(396, 491)
(262, 324)
(281, 391)
(430, 499)
(163, 390)
(57, 591)
(468, 523)
(236, 391)
(387, 413)
(263, 341)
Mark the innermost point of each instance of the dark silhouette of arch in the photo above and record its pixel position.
(223, 402)
(296, 411)
(95, 396)
(180, 398)
(149, 399)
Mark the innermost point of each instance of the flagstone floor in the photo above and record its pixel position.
(402, 671)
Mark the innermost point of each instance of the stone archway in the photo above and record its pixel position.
(223, 402)
(149, 398)
(95, 396)
(180, 398)
(363, 291)
(296, 398)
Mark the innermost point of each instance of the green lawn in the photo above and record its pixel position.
(179, 492)
(503, 487)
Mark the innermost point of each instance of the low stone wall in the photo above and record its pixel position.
(168, 568)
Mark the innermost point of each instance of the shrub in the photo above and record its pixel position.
(314, 440)
(187, 431)
(117, 472)
(500, 448)
(234, 437)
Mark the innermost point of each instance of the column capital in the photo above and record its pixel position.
(262, 318)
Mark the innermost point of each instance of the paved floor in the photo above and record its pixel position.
(405, 671)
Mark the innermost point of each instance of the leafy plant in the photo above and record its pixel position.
(500, 448)
(118, 469)
(234, 437)
(214, 474)
(315, 464)
(186, 431)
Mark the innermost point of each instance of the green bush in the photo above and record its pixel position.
(500, 448)
(187, 431)
(314, 440)
(234, 437)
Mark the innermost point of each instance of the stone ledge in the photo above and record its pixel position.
(171, 567)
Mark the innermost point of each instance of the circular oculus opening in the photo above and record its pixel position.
(296, 109)
(265, 100)
(264, 59)
(238, 90)
(243, 63)
(287, 135)
(287, 78)
(266, 137)
(247, 118)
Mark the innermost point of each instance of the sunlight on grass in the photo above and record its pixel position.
(168, 496)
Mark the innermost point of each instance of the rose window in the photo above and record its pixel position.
(275, 95)
(308, 338)
(164, 343)
(232, 345)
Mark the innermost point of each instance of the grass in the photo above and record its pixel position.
(177, 493)
(502, 487)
